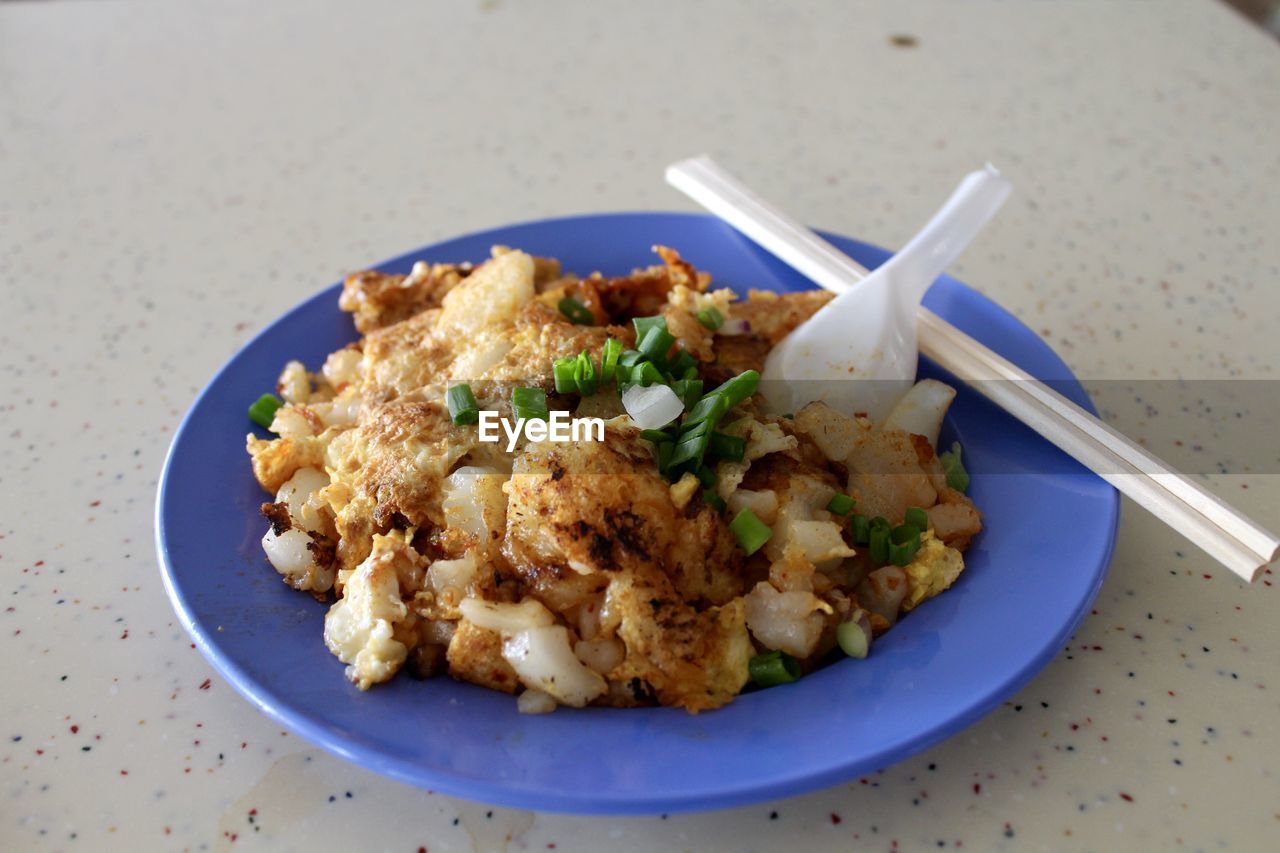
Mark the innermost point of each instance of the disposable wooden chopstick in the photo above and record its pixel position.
(1221, 531)
(1110, 455)
(1232, 538)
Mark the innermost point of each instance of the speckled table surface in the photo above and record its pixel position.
(174, 175)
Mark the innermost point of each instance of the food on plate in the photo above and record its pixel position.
(432, 484)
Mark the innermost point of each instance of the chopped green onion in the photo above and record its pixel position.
(646, 373)
(773, 668)
(644, 324)
(861, 527)
(713, 499)
(917, 518)
(665, 449)
(655, 343)
(904, 542)
(657, 436)
(840, 504)
(584, 374)
(629, 358)
(711, 318)
(953, 467)
(703, 427)
(691, 373)
(706, 476)
(688, 390)
(725, 446)
(463, 408)
(709, 408)
(609, 359)
(263, 410)
(854, 635)
(530, 404)
(576, 312)
(738, 388)
(878, 540)
(690, 448)
(563, 368)
(750, 531)
(680, 365)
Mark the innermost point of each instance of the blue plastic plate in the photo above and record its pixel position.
(1029, 581)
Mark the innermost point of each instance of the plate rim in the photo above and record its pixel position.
(600, 802)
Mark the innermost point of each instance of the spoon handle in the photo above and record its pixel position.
(948, 233)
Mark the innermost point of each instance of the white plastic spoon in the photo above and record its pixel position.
(858, 354)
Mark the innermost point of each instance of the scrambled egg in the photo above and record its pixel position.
(575, 573)
(934, 569)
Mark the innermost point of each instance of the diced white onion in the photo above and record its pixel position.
(652, 407)
(921, 409)
(290, 422)
(288, 552)
(506, 618)
(833, 432)
(535, 702)
(821, 540)
(589, 614)
(883, 590)
(602, 654)
(790, 621)
(475, 503)
(763, 504)
(445, 575)
(294, 384)
(297, 490)
(544, 660)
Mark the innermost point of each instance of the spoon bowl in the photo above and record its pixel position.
(858, 353)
